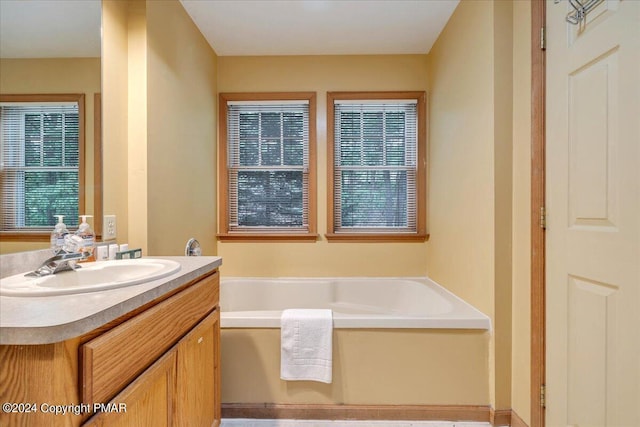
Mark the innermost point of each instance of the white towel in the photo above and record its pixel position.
(306, 345)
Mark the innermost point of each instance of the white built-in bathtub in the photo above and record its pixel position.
(397, 341)
(356, 302)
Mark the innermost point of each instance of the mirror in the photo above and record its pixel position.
(54, 46)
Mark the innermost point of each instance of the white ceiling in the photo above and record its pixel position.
(71, 28)
(320, 27)
(49, 28)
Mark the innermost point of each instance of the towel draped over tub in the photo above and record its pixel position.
(306, 345)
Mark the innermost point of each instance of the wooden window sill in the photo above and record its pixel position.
(268, 237)
(25, 236)
(33, 236)
(376, 237)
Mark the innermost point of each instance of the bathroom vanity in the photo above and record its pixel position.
(141, 355)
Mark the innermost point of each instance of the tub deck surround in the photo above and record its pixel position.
(370, 367)
(396, 341)
(356, 302)
(44, 320)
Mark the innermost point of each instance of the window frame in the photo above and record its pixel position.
(42, 235)
(420, 235)
(223, 181)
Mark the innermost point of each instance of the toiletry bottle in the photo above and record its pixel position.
(58, 233)
(88, 237)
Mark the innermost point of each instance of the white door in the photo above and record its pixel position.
(593, 216)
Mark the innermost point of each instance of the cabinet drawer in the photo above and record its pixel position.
(147, 400)
(114, 359)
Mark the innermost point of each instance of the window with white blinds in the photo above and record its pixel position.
(40, 164)
(376, 166)
(268, 156)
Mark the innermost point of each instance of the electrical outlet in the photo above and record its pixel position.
(109, 227)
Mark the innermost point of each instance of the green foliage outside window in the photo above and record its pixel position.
(270, 177)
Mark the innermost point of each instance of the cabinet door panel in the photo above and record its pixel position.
(146, 402)
(198, 375)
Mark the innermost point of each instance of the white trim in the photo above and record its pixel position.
(38, 103)
(271, 102)
(408, 101)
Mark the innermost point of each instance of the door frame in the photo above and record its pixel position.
(538, 142)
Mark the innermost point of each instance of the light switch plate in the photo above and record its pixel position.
(109, 227)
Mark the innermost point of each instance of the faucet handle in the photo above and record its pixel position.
(193, 248)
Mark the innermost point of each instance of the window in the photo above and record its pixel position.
(376, 166)
(267, 166)
(42, 146)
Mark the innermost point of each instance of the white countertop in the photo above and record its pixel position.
(45, 320)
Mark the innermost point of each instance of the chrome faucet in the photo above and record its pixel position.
(61, 261)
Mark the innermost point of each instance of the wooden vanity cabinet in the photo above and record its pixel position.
(179, 389)
(168, 355)
(159, 366)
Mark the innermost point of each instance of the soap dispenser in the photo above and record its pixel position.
(58, 233)
(88, 237)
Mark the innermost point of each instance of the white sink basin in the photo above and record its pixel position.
(90, 277)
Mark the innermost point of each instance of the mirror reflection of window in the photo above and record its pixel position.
(52, 47)
(41, 146)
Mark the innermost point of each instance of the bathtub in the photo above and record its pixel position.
(355, 302)
(396, 341)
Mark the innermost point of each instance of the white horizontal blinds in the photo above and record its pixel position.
(375, 166)
(268, 166)
(40, 161)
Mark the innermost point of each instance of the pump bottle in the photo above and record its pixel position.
(58, 233)
(88, 237)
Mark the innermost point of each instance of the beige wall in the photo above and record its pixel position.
(55, 75)
(322, 74)
(182, 129)
(160, 158)
(462, 187)
(115, 113)
(137, 169)
(521, 349)
(461, 163)
(503, 191)
(478, 204)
